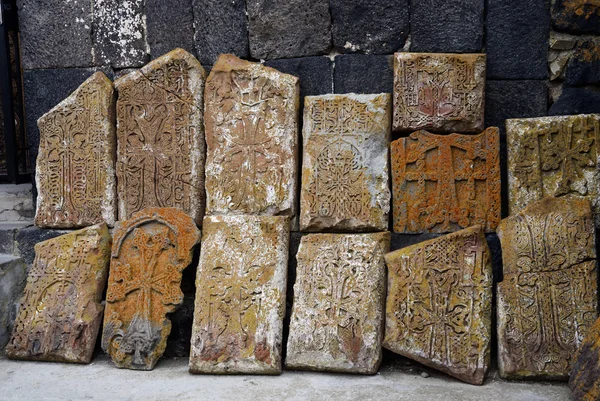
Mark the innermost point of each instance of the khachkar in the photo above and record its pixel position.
(337, 317)
(75, 170)
(160, 134)
(345, 163)
(553, 156)
(240, 295)
(149, 252)
(61, 308)
(547, 300)
(252, 138)
(443, 183)
(439, 304)
(584, 379)
(439, 92)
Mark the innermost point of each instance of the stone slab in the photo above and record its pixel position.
(240, 295)
(548, 298)
(439, 92)
(337, 317)
(315, 73)
(61, 311)
(584, 65)
(576, 16)
(576, 101)
(149, 253)
(363, 73)
(288, 28)
(345, 163)
(584, 379)
(251, 120)
(13, 274)
(160, 154)
(161, 19)
(439, 304)
(553, 156)
(75, 169)
(443, 183)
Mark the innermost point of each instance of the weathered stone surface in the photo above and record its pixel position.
(439, 304)
(220, 27)
(369, 26)
(337, 317)
(362, 73)
(75, 169)
(60, 312)
(315, 73)
(149, 252)
(547, 300)
(13, 274)
(240, 295)
(169, 25)
(345, 163)
(517, 39)
(584, 379)
(252, 138)
(288, 28)
(553, 156)
(576, 101)
(446, 26)
(439, 92)
(576, 16)
(442, 183)
(55, 34)
(160, 157)
(584, 65)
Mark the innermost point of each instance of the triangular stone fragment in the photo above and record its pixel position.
(60, 311)
(149, 252)
(75, 170)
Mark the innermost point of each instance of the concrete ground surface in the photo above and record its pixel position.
(170, 380)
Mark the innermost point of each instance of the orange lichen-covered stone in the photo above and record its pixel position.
(439, 304)
(240, 295)
(439, 92)
(149, 252)
(547, 300)
(61, 308)
(585, 374)
(442, 183)
(251, 118)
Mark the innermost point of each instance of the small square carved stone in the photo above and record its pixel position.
(75, 169)
(443, 183)
(439, 304)
(337, 317)
(240, 295)
(439, 92)
(547, 300)
(345, 163)
(251, 138)
(61, 308)
(553, 156)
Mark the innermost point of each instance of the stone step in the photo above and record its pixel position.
(8, 236)
(13, 274)
(16, 203)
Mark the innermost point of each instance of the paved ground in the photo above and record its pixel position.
(170, 380)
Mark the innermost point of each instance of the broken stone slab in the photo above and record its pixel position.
(75, 169)
(160, 156)
(337, 316)
(439, 92)
(439, 304)
(584, 379)
(345, 163)
(240, 295)
(13, 274)
(547, 300)
(61, 311)
(251, 125)
(444, 183)
(149, 252)
(576, 16)
(553, 156)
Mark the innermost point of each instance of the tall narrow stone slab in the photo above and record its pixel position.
(240, 295)
(252, 138)
(75, 170)
(345, 163)
(553, 156)
(547, 301)
(442, 183)
(337, 317)
(439, 92)
(439, 304)
(61, 308)
(160, 157)
(149, 252)
(584, 379)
